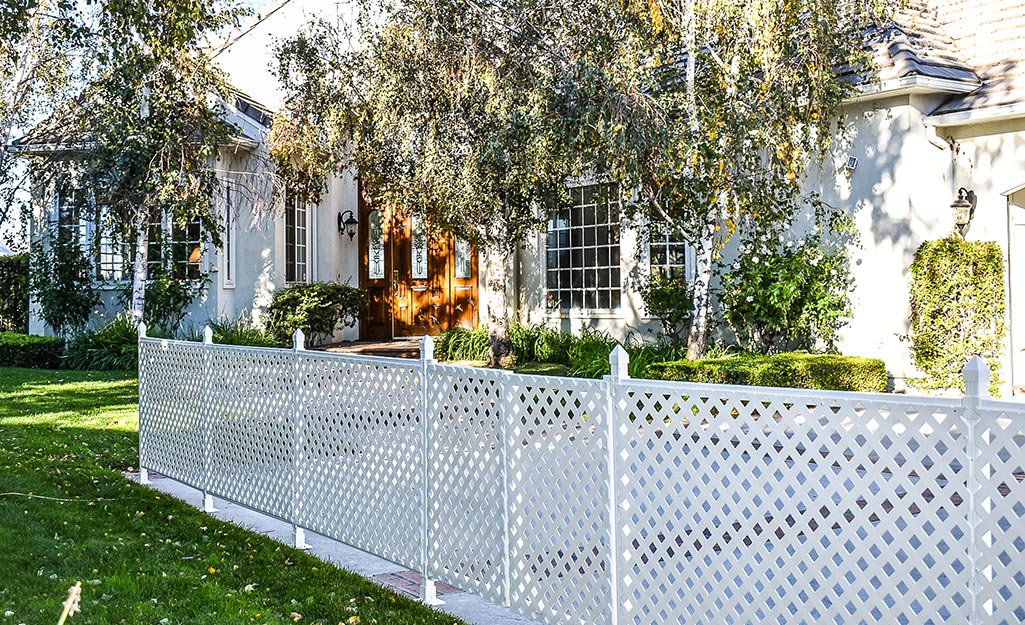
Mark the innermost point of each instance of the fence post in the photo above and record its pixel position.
(143, 471)
(976, 379)
(505, 412)
(208, 340)
(428, 590)
(298, 455)
(619, 361)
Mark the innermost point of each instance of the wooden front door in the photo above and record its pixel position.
(418, 282)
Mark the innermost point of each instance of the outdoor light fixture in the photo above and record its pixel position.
(964, 209)
(347, 225)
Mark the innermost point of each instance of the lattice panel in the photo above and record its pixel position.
(251, 409)
(741, 505)
(465, 479)
(1000, 513)
(558, 499)
(361, 478)
(171, 409)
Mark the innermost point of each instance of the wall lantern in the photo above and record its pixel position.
(964, 209)
(347, 225)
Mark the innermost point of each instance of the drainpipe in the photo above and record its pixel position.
(1010, 297)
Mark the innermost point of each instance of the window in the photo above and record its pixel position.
(180, 253)
(375, 230)
(418, 258)
(80, 214)
(464, 260)
(670, 255)
(295, 240)
(583, 251)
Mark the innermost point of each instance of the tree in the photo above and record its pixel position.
(143, 129)
(474, 113)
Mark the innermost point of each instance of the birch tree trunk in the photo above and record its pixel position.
(139, 267)
(697, 338)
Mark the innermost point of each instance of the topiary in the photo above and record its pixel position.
(317, 309)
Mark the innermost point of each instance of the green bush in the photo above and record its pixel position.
(957, 309)
(317, 309)
(463, 344)
(166, 301)
(786, 294)
(788, 370)
(241, 331)
(114, 346)
(33, 352)
(540, 343)
(644, 354)
(14, 293)
(671, 302)
(589, 355)
(62, 279)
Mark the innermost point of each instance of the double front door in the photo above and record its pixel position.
(418, 282)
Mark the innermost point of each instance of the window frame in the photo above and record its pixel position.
(583, 265)
(293, 246)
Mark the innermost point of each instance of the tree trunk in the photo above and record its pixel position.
(697, 339)
(140, 268)
(499, 278)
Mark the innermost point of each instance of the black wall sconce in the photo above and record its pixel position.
(347, 225)
(964, 209)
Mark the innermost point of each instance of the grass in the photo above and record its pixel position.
(67, 514)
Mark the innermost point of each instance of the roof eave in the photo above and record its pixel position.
(914, 84)
(978, 115)
(35, 149)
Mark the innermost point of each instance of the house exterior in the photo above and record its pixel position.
(947, 112)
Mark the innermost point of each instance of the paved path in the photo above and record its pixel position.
(464, 605)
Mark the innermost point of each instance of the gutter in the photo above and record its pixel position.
(913, 84)
(49, 148)
(975, 116)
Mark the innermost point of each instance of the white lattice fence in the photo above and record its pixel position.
(172, 439)
(758, 505)
(1000, 513)
(613, 501)
(361, 475)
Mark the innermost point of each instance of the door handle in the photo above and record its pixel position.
(395, 279)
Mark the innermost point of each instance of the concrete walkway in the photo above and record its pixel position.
(464, 605)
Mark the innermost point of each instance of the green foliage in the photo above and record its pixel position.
(24, 350)
(61, 277)
(14, 293)
(644, 354)
(671, 302)
(589, 355)
(540, 343)
(463, 344)
(317, 309)
(111, 347)
(788, 370)
(957, 309)
(167, 301)
(242, 330)
(783, 294)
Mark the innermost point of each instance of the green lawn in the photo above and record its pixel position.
(67, 514)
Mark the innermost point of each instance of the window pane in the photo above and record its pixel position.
(375, 253)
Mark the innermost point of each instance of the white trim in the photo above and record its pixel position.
(229, 255)
(1013, 190)
(909, 85)
(975, 116)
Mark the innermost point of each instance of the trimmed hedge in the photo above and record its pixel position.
(32, 352)
(789, 370)
(14, 293)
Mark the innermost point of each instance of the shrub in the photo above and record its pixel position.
(61, 278)
(114, 346)
(33, 352)
(463, 344)
(241, 331)
(14, 293)
(957, 309)
(671, 302)
(167, 300)
(317, 309)
(645, 354)
(540, 343)
(589, 355)
(788, 370)
(786, 294)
